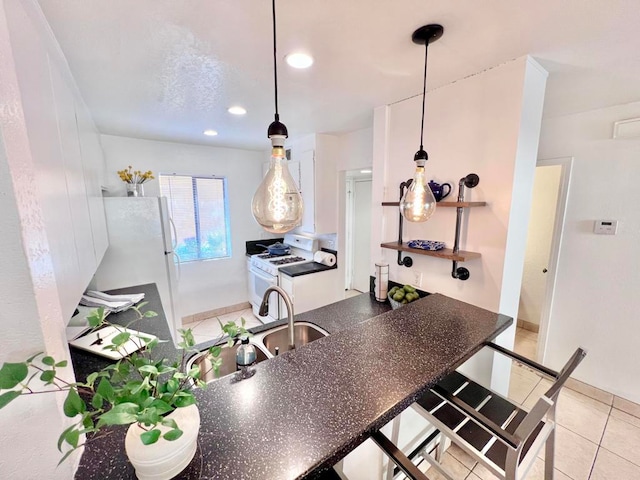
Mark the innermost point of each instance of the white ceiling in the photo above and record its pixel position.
(168, 69)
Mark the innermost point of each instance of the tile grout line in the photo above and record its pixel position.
(620, 457)
(595, 458)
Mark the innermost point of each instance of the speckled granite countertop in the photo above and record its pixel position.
(303, 411)
(305, 269)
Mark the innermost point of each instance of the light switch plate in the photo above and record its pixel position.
(605, 227)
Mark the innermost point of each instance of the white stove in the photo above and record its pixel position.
(263, 271)
(271, 263)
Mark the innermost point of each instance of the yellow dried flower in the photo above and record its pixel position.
(135, 176)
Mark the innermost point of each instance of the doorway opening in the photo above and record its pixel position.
(357, 231)
(544, 236)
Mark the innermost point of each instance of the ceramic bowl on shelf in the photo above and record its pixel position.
(426, 244)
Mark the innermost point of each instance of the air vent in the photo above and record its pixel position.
(627, 128)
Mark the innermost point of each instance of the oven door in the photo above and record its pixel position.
(259, 282)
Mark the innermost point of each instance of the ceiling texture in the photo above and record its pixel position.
(169, 69)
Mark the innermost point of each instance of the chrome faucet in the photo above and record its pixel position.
(264, 310)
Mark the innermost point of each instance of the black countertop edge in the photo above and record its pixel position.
(306, 269)
(310, 267)
(85, 362)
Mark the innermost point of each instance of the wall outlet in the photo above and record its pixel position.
(417, 279)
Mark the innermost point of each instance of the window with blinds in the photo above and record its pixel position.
(200, 211)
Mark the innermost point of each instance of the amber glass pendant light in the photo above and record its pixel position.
(418, 202)
(277, 204)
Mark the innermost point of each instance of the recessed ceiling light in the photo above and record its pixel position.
(299, 60)
(365, 171)
(210, 133)
(237, 110)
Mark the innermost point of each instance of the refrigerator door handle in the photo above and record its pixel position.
(174, 237)
(178, 265)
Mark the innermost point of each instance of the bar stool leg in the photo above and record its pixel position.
(395, 434)
(549, 456)
(443, 444)
(550, 445)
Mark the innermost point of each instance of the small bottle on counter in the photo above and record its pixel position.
(245, 358)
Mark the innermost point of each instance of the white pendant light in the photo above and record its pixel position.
(418, 202)
(277, 204)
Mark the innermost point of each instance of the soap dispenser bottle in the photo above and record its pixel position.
(245, 358)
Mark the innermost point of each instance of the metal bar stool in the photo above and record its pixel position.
(494, 431)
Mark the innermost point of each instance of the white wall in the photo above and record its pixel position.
(596, 302)
(209, 284)
(539, 237)
(356, 150)
(31, 316)
(487, 124)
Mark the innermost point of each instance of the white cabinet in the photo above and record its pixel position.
(68, 160)
(316, 158)
(313, 166)
(76, 191)
(294, 170)
(93, 165)
(307, 170)
(310, 291)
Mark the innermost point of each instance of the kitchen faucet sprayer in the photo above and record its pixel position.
(264, 309)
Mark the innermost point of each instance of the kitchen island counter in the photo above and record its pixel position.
(305, 410)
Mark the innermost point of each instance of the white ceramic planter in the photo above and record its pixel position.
(164, 459)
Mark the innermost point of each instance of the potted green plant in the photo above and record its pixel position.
(152, 395)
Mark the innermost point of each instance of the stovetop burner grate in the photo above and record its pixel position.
(285, 261)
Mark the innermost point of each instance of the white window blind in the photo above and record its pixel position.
(200, 211)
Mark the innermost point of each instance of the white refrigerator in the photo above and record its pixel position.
(141, 250)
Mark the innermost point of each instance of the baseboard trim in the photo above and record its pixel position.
(197, 317)
(532, 327)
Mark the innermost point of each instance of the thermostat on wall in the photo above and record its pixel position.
(605, 227)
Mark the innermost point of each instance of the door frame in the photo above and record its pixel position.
(355, 181)
(556, 244)
(349, 195)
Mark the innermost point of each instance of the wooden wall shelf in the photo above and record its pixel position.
(443, 204)
(446, 253)
(454, 254)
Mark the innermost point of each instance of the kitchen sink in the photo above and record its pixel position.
(269, 340)
(279, 337)
(228, 355)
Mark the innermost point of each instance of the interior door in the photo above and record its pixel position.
(361, 234)
(546, 188)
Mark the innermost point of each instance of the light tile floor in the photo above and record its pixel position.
(598, 434)
(351, 293)
(209, 328)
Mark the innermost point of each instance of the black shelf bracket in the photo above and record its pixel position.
(470, 181)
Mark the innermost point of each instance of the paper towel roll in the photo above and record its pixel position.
(325, 258)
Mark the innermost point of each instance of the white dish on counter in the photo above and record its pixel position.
(96, 341)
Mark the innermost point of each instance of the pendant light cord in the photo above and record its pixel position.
(424, 92)
(275, 68)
